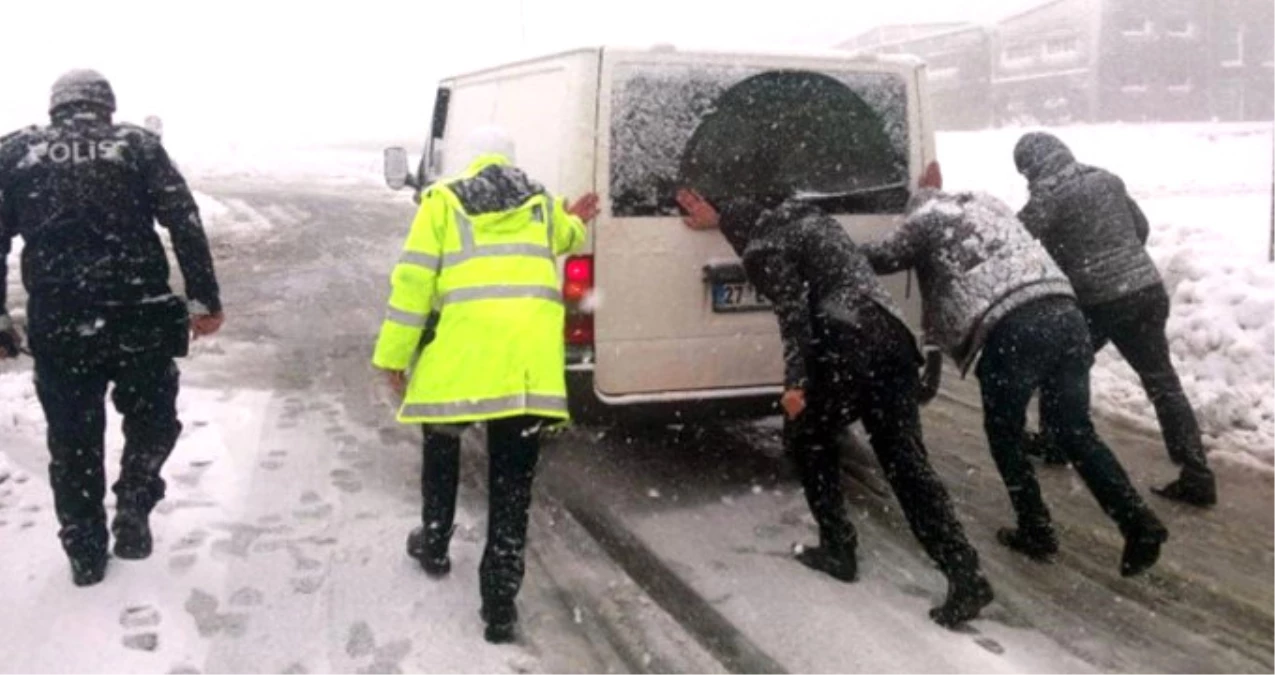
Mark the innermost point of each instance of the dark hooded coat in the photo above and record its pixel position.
(1087, 221)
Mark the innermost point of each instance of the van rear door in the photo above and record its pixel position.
(673, 314)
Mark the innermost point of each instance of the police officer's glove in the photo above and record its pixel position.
(932, 376)
(10, 340)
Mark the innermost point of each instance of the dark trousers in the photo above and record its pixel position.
(1045, 345)
(874, 377)
(1136, 324)
(513, 448)
(73, 395)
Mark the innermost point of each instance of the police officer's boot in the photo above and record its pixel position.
(85, 546)
(429, 547)
(501, 619)
(132, 528)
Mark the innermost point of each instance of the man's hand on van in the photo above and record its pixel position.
(700, 215)
(793, 402)
(585, 208)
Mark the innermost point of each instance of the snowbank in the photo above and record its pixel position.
(1207, 191)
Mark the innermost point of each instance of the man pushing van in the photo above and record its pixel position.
(483, 247)
(848, 355)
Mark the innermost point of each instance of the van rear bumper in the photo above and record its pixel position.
(588, 405)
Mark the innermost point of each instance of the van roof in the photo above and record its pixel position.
(906, 60)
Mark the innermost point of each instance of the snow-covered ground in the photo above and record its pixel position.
(1207, 191)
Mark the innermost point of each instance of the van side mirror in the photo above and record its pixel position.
(397, 175)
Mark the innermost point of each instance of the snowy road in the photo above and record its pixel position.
(280, 545)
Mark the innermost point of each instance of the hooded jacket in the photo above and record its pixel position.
(1086, 220)
(805, 263)
(974, 263)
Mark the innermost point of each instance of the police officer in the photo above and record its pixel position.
(482, 251)
(84, 194)
(992, 294)
(848, 355)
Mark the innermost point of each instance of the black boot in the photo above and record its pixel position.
(85, 546)
(501, 620)
(88, 569)
(430, 551)
(967, 594)
(1042, 446)
(1194, 488)
(838, 562)
(1038, 543)
(1142, 546)
(132, 531)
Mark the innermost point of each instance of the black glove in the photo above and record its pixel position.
(10, 340)
(932, 377)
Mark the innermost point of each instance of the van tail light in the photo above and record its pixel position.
(933, 176)
(577, 287)
(578, 279)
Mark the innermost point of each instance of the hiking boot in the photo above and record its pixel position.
(501, 621)
(132, 532)
(839, 563)
(430, 552)
(1042, 446)
(88, 569)
(1196, 489)
(967, 595)
(1039, 544)
(1142, 547)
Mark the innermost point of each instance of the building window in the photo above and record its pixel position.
(1017, 55)
(1133, 83)
(1183, 86)
(1136, 26)
(1062, 47)
(1230, 48)
(1180, 27)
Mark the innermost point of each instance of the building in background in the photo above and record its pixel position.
(958, 62)
(1066, 61)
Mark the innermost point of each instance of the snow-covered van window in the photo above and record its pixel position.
(841, 137)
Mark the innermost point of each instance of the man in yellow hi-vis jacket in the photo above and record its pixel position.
(482, 253)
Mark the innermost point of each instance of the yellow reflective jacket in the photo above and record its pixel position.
(482, 250)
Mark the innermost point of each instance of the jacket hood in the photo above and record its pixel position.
(741, 220)
(1040, 155)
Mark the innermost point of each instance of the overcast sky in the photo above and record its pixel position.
(221, 72)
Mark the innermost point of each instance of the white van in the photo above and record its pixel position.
(661, 319)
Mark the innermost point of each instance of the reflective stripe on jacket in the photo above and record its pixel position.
(492, 275)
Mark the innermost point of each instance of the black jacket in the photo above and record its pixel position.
(805, 263)
(1086, 220)
(84, 194)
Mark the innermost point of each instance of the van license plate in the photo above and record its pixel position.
(737, 297)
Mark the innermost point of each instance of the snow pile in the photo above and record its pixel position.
(1209, 237)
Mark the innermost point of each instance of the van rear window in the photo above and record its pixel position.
(840, 138)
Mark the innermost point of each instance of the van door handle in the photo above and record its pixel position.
(724, 273)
